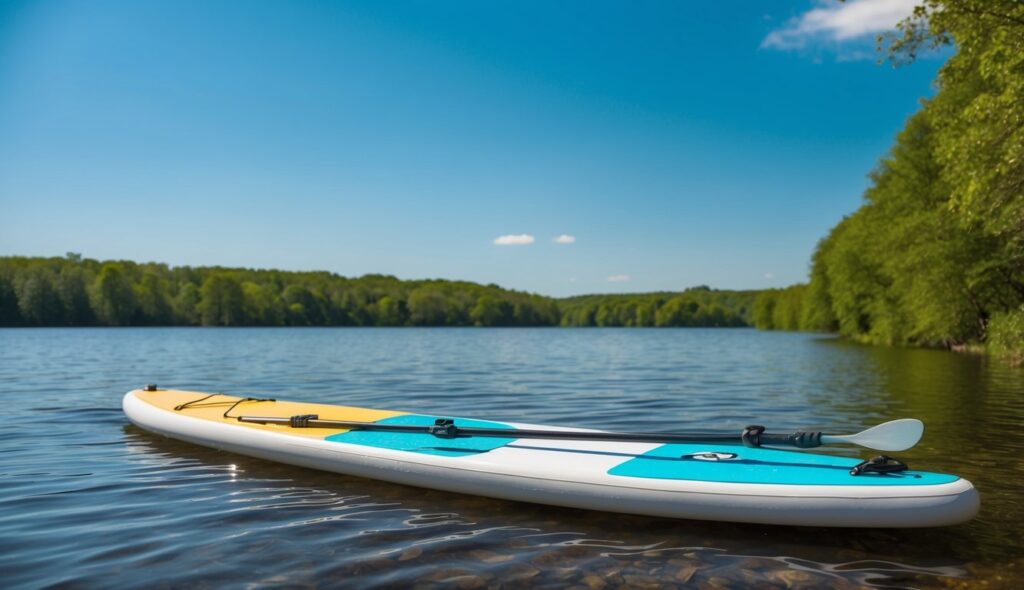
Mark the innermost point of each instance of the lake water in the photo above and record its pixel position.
(87, 500)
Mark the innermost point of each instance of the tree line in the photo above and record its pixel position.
(935, 254)
(77, 291)
(695, 307)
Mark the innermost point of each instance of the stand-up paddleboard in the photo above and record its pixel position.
(680, 476)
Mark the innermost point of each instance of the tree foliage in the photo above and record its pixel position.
(935, 255)
(695, 307)
(113, 299)
(1006, 333)
(73, 291)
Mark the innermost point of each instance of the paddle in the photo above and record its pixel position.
(897, 435)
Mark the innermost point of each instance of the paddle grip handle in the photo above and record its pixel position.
(755, 436)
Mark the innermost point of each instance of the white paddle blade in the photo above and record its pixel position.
(898, 435)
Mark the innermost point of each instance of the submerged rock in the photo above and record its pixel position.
(410, 553)
(489, 556)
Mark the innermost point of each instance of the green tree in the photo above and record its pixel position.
(817, 314)
(490, 311)
(713, 316)
(788, 308)
(221, 302)
(304, 308)
(1006, 335)
(262, 305)
(979, 107)
(357, 306)
(72, 289)
(112, 297)
(625, 313)
(764, 309)
(10, 315)
(880, 270)
(428, 307)
(186, 305)
(645, 314)
(38, 300)
(153, 304)
(389, 312)
(677, 312)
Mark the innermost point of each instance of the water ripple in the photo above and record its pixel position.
(89, 501)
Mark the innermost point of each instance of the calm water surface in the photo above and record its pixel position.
(87, 500)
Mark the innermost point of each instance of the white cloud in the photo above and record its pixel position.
(835, 21)
(514, 240)
(619, 278)
(769, 275)
(565, 239)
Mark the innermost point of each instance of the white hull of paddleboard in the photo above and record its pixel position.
(540, 471)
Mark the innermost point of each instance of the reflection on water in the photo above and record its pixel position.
(90, 500)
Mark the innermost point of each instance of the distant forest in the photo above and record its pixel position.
(935, 255)
(76, 291)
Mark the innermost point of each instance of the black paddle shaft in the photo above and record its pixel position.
(752, 436)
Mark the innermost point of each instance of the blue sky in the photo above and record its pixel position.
(677, 144)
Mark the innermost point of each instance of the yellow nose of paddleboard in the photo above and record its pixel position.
(212, 407)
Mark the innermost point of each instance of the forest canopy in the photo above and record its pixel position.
(76, 291)
(935, 254)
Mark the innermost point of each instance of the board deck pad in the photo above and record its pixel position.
(213, 409)
(762, 466)
(669, 461)
(427, 443)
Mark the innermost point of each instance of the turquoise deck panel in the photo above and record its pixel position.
(426, 443)
(764, 466)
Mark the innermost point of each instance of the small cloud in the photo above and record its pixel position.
(565, 239)
(769, 275)
(572, 279)
(514, 240)
(839, 21)
(619, 278)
